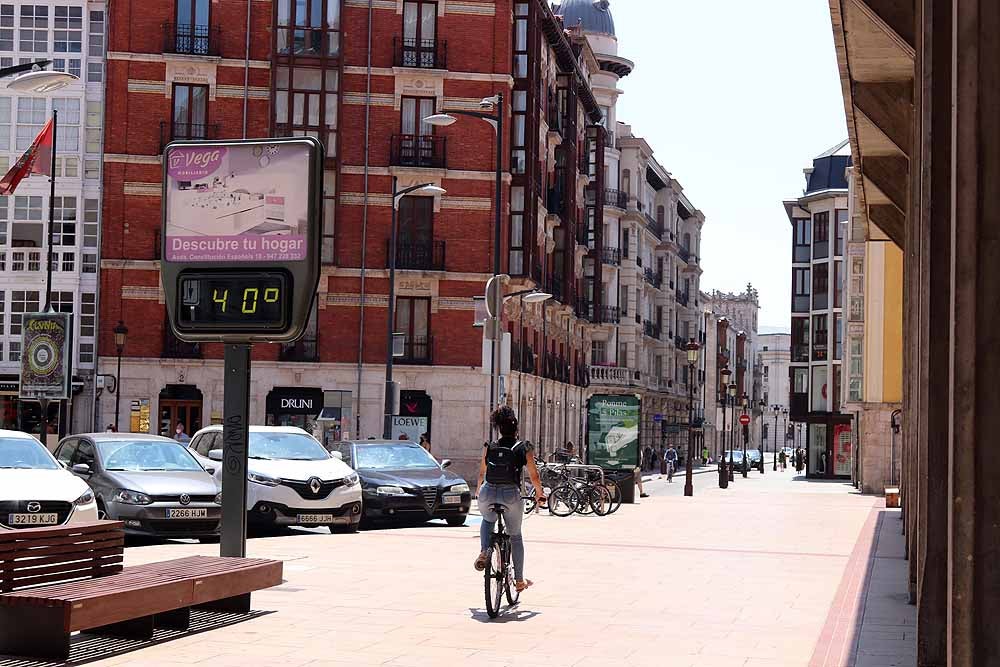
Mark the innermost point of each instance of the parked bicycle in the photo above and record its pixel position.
(578, 489)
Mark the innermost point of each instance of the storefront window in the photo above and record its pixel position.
(817, 449)
(295, 406)
(819, 390)
(843, 450)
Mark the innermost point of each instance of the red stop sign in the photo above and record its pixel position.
(745, 420)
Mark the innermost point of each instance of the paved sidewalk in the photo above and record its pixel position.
(746, 577)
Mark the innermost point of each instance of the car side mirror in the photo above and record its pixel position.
(445, 464)
(337, 455)
(215, 454)
(210, 471)
(81, 469)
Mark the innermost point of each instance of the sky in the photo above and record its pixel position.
(736, 98)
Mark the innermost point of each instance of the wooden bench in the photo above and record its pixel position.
(56, 581)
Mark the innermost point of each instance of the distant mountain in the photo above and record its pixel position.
(764, 329)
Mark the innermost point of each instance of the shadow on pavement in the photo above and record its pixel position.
(508, 615)
(91, 648)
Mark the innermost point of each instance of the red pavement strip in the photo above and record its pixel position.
(838, 642)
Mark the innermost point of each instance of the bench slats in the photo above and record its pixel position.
(34, 556)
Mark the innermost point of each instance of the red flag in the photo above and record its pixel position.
(36, 160)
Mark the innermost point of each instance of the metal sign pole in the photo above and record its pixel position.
(235, 435)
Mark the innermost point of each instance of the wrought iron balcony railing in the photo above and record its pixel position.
(418, 150)
(420, 53)
(419, 255)
(191, 39)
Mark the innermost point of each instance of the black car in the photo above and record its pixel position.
(401, 481)
(754, 459)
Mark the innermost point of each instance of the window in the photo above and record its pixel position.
(6, 28)
(821, 235)
(34, 29)
(4, 212)
(800, 339)
(91, 220)
(21, 302)
(516, 259)
(61, 302)
(5, 124)
(838, 336)
(190, 111)
(3, 314)
(838, 284)
(521, 40)
(819, 348)
(89, 262)
(27, 208)
(329, 214)
(821, 286)
(95, 36)
(800, 290)
(305, 103)
(31, 116)
(801, 239)
(841, 232)
(303, 25)
(64, 215)
(765, 368)
(86, 353)
(95, 114)
(820, 391)
(419, 33)
(67, 36)
(518, 137)
(68, 166)
(91, 168)
(71, 65)
(855, 388)
(413, 321)
(95, 72)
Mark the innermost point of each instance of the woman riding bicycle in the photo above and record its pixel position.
(500, 484)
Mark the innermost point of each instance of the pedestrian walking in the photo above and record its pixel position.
(704, 455)
(781, 458)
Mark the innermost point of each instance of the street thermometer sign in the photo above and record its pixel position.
(242, 222)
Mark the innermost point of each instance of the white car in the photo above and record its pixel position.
(293, 480)
(35, 490)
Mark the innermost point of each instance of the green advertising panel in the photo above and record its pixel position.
(613, 431)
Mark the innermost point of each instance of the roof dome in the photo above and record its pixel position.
(594, 15)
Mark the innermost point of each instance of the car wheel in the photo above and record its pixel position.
(456, 521)
(350, 528)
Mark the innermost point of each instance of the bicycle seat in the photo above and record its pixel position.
(498, 508)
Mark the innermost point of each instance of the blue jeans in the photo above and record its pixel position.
(509, 496)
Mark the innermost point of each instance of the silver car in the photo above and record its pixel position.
(152, 484)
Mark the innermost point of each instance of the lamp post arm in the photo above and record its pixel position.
(471, 114)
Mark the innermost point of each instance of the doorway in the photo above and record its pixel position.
(180, 404)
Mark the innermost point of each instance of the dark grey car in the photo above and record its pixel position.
(153, 484)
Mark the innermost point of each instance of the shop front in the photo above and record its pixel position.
(295, 406)
(829, 446)
(414, 419)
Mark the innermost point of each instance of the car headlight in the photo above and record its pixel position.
(85, 499)
(257, 478)
(389, 490)
(460, 488)
(131, 497)
(218, 499)
(352, 479)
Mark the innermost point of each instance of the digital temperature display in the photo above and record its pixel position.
(253, 301)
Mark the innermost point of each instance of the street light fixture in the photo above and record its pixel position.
(41, 81)
(723, 467)
(692, 359)
(121, 333)
(495, 119)
(732, 434)
(391, 389)
(777, 410)
(745, 402)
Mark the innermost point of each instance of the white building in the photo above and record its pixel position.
(775, 353)
(72, 35)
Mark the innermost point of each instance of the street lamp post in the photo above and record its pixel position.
(121, 332)
(762, 445)
(745, 402)
(723, 467)
(784, 428)
(732, 434)
(444, 119)
(692, 359)
(391, 407)
(777, 409)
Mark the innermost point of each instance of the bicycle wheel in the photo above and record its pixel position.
(616, 495)
(584, 508)
(530, 504)
(563, 500)
(509, 585)
(600, 500)
(495, 576)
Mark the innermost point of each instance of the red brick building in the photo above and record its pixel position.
(361, 78)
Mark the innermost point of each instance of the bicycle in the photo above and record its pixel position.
(671, 466)
(498, 577)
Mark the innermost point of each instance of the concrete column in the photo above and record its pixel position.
(933, 178)
(974, 525)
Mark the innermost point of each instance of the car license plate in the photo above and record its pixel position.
(32, 519)
(185, 513)
(315, 518)
(451, 499)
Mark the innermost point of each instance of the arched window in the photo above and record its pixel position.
(687, 241)
(627, 182)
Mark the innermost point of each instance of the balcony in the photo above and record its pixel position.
(616, 199)
(610, 315)
(555, 201)
(653, 225)
(651, 329)
(683, 298)
(419, 255)
(613, 376)
(300, 350)
(420, 53)
(684, 253)
(191, 40)
(418, 150)
(612, 256)
(175, 348)
(172, 131)
(680, 343)
(417, 351)
(653, 278)
(522, 358)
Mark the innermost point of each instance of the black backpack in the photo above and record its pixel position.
(503, 464)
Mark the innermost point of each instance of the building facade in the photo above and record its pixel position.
(819, 221)
(774, 354)
(71, 35)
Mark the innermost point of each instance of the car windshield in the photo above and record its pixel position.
(22, 453)
(288, 446)
(146, 456)
(737, 456)
(394, 457)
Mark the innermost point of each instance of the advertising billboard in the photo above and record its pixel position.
(613, 431)
(46, 356)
